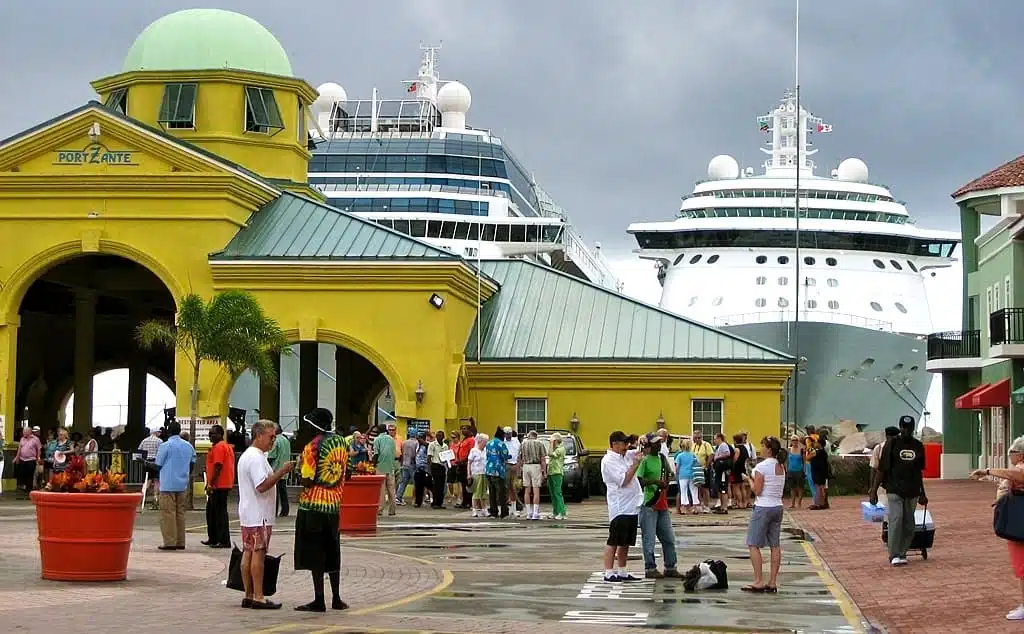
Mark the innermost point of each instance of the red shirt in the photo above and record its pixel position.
(463, 448)
(224, 455)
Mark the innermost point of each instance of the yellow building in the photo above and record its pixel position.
(189, 175)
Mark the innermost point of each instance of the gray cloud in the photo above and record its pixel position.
(618, 107)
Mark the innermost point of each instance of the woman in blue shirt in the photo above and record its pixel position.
(688, 469)
(795, 476)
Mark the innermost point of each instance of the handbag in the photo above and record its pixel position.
(271, 568)
(1008, 518)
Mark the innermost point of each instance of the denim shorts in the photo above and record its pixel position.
(765, 527)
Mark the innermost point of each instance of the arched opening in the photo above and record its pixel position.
(110, 400)
(79, 319)
(316, 375)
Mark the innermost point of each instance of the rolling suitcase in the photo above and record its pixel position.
(924, 532)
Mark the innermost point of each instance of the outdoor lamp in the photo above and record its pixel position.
(94, 132)
(436, 301)
(661, 421)
(574, 423)
(420, 392)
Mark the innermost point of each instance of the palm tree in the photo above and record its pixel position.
(231, 330)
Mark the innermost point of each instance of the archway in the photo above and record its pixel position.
(314, 375)
(110, 392)
(79, 318)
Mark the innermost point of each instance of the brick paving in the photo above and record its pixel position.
(966, 585)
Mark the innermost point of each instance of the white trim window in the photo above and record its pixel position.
(531, 415)
(707, 416)
(1007, 293)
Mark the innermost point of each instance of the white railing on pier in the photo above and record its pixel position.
(828, 316)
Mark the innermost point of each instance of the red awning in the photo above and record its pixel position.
(986, 395)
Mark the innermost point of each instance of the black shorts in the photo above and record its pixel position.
(622, 530)
(317, 542)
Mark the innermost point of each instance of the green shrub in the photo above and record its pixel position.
(850, 476)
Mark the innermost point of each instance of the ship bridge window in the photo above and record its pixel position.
(831, 261)
(900, 307)
(896, 265)
(712, 259)
(678, 260)
(783, 302)
(912, 266)
(832, 282)
(809, 261)
(761, 259)
(760, 302)
(878, 263)
(875, 306)
(783, 259)
(783, 281)
(761, 280)
(695, 259)
(833, 304)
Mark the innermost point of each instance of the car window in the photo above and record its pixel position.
(567, 441)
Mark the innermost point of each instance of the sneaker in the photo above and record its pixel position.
(653, 573)
(628, 577)
(1017, 614)
(672, 573)
(613, 579)
(898, 561)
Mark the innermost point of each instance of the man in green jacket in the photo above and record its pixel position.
(279, 454)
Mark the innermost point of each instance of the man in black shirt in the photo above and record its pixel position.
(900, 472)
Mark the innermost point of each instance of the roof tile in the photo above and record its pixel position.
(1009, 174)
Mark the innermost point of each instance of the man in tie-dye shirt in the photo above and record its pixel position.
(317, 541)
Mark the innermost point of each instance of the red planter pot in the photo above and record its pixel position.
(85, 536)
(360, 500)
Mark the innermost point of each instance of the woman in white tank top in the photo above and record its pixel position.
(768, 484)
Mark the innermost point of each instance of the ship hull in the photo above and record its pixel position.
(870, 377)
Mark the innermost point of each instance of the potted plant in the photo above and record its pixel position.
(86, 523)
(360, 499)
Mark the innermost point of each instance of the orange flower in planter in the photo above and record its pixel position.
(365, 468)
(74, 480)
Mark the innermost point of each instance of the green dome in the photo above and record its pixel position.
(207, 39)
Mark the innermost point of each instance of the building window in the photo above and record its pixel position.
(531, 415)
(178, 108)
(118, 100)
(996, 305)
(1007, 293)
(783, 281)
(695, 259)
(761, 302)
(783, 259)
(707, 416)
(878, 263)
(261, 112)
(832, 282)
(988, 301)
(900, 307)
(809, 261)
(783, 302)
(831, 261)
(875, 306)
(761, 280)
(713, 259)
(761, 259)
(896, 265)
(833, 304)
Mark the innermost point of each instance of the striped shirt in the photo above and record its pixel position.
(149, 446)
(532, 451)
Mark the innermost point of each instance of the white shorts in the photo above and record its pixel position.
(532, 476)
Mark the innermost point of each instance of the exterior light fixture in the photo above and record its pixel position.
(94, 132)
(420, 392)
(436, 301)
(661, 421)
(574, 423)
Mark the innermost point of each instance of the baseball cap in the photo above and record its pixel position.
(618, 436)
(652, 437)
(507, 430)
(35, 427)
(906, 421)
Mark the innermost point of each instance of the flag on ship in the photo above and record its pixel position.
(824, 127)
(764, 126)
(411, 88)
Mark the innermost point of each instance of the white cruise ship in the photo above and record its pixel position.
(413, 165)
(729, 259)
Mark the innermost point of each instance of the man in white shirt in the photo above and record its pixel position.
(665, 440)
(257, 497)
(624, 498)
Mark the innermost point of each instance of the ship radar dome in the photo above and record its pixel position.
(853, 169)
(454, 97)
(723, 167)
(330, 94)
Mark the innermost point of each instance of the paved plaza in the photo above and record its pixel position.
(428, 570)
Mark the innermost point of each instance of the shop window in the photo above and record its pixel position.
(261, 112)
(531, 415)
(178, 108)
(707, 416)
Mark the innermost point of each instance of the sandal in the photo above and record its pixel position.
(755, 589)
(771, 590)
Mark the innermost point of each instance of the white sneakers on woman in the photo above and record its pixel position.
(1017, 614)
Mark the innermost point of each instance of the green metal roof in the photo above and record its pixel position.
(207, 39)
(296, 228)
(541, 314)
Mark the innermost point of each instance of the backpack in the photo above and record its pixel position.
(698, 474)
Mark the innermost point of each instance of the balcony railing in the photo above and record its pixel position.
(957, 344)
(1006, 325)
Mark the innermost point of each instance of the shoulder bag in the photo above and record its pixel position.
(1008, 518)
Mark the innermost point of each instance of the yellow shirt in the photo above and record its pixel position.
(703, 451)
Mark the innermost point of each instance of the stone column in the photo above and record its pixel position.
(309, 376)
(270, 394)
(85, 343)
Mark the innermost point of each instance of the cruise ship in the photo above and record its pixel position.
(850, 304)
(413, 165)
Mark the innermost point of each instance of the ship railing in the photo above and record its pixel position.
(1006, 326)
(954, 344)
(591, 262)
(398, 187)
(768, 316)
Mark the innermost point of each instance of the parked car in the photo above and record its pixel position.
(575, 483)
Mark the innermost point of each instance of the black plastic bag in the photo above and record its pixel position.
(271, 568)
(1008, 518)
